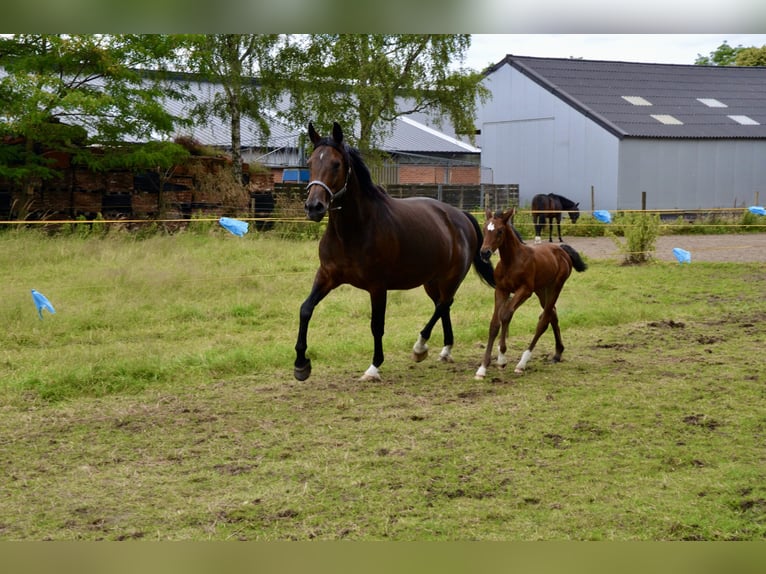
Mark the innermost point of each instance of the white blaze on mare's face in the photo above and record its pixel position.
(490, 226)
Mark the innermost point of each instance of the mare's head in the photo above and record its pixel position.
(495, 228)
(329, 170)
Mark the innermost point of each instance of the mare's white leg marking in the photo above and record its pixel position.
(420, 346)
(371, 374)
(480, 373)
(446, 354)
(502, 360)
(525, 356)
(538, 239)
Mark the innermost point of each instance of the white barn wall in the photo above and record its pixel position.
(531, 137)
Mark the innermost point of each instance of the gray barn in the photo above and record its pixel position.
(691, 137)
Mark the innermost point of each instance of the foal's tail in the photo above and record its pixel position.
(483, 268)
(577, 262)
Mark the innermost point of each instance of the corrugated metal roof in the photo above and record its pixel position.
(599, 89)
(407, 135)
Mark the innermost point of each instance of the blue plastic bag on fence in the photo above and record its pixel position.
(603, 216)
(682, 255)
(235, 226)
(41, 302)
(757, 209)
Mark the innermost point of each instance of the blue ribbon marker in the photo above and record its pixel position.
(41, 302)
(603, 216)
(235, 226)
(682, 255)
(757, 209)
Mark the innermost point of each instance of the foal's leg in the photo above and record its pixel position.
(549, 310)
(557, 335)
(501, 319)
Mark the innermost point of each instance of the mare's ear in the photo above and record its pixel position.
(337, 133)
(313, 135)
(577, 204)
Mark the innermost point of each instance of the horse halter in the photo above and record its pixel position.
(336, 195)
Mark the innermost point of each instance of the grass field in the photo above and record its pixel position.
(158, 403)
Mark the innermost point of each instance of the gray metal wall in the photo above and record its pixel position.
(531, 137)
(691, 174)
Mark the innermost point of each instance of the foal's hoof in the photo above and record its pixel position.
(518, 371)
(418, 357)
(304, 372)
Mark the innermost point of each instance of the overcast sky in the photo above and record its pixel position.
(488, 49)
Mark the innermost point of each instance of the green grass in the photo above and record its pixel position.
(158, 403)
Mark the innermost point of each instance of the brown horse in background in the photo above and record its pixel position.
(549, 206)
(524, 270)
(378, 243)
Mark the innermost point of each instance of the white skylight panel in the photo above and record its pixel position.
(712, 103)
(744, 120)
(667, 119)
(637, 100)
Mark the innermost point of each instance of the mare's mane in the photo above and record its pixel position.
(354, 159)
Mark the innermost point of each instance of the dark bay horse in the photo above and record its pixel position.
(378, 243)
(524, 270)
(549, 206)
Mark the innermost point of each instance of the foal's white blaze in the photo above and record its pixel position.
(525, 356)
(490, 226)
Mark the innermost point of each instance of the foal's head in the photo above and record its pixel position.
(329, 169)
(495, 228)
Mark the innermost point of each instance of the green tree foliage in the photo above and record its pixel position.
(726, 55)
(86, 95)
(234, 61)
(751, 56)
(366, 81)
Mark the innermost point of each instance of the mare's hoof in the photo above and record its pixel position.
(446, 359)
(418, 357)
(365, 378)
(518, 371)
(304, 372)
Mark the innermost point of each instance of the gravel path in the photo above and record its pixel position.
(748, 247)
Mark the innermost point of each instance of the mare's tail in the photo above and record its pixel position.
(577, 262)
(483, 268)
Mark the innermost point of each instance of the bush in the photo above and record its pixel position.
(639, 230)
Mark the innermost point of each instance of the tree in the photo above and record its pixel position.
(61, 92)
(368, 80)
(724, 55)
(233, 61)
(751, 56)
